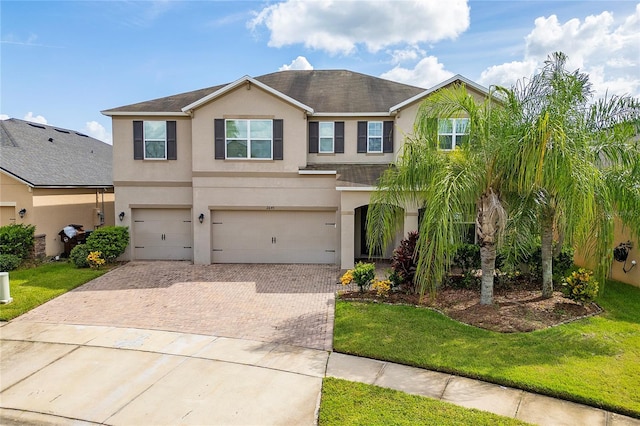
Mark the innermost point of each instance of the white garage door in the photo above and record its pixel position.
(274, 236)
(162, 234)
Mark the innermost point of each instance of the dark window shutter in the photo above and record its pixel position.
(387, 136)
(339, 137)
(218, 136)
(277, 139)
(314, 136)
(172, 146)
(362, 136)
(138, 140)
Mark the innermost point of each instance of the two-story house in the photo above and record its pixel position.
(272, 169)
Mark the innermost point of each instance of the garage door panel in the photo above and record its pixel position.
(162, 234)
(274, 237)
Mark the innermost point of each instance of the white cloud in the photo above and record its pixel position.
(402, 55)
(599, 45)
(97, 130)
(427, 73)
(4, 117)
(35, 119)
(339, 26)
(299, 63)
(507, 74)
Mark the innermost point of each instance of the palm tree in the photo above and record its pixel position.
(449, 185)
(571, 158)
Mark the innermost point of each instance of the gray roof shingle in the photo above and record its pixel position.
(327, 91)
(48, 156)
(353, 175)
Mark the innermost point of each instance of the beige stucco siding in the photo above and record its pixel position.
(351, 154)
(125, 168)
(248, 104)
(621, 235)
(50, 210)
(14, 196)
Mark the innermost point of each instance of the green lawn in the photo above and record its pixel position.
(349, 403)
(34, 286)
(594, 361)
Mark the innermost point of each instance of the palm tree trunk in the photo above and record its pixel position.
(547, 254)
(488, 262)
(488, 222)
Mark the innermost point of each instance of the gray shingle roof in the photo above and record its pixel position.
(48, 156)
(338, 91)
(354, 175)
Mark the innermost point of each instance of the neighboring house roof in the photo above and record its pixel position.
(46, 156)
(322, 91)
(352, 175)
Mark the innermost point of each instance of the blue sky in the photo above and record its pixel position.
(62, 62)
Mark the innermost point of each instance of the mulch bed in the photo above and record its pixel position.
(512, 311)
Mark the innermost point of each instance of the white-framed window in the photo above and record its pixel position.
(452, 132)
(155, 140)
(249, 139)
(326, 137)
(374, 136)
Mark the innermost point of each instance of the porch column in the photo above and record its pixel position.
(410, 221)
(347, 238)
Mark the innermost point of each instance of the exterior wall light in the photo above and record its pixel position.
(121, 216)
(22, 213)
(201, 217)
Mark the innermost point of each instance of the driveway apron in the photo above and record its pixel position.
(174, 343)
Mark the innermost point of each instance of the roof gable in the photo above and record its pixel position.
(245, 80)
(48, 156)
(456, 78)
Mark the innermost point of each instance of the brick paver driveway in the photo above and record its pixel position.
(292, 304)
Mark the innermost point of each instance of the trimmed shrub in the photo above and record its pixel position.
(581, 286)
(79, 254)
(17, 239)
(562, 263)
(467, 257)
(111, 241)
(9, 262)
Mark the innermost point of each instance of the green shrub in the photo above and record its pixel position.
(562, 263)
(363, 275)
(17, 240)
(467, 257)
(9, 262)
(111, 241)
(581, 286)
(78, 256)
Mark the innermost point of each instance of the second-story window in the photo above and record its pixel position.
(326, 133)
(374, 136)
(249, 139)
(452, 132)
(155, 140)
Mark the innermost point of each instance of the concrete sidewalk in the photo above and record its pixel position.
(70, 374)
(525, 406)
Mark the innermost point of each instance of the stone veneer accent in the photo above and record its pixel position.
(39, 247)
